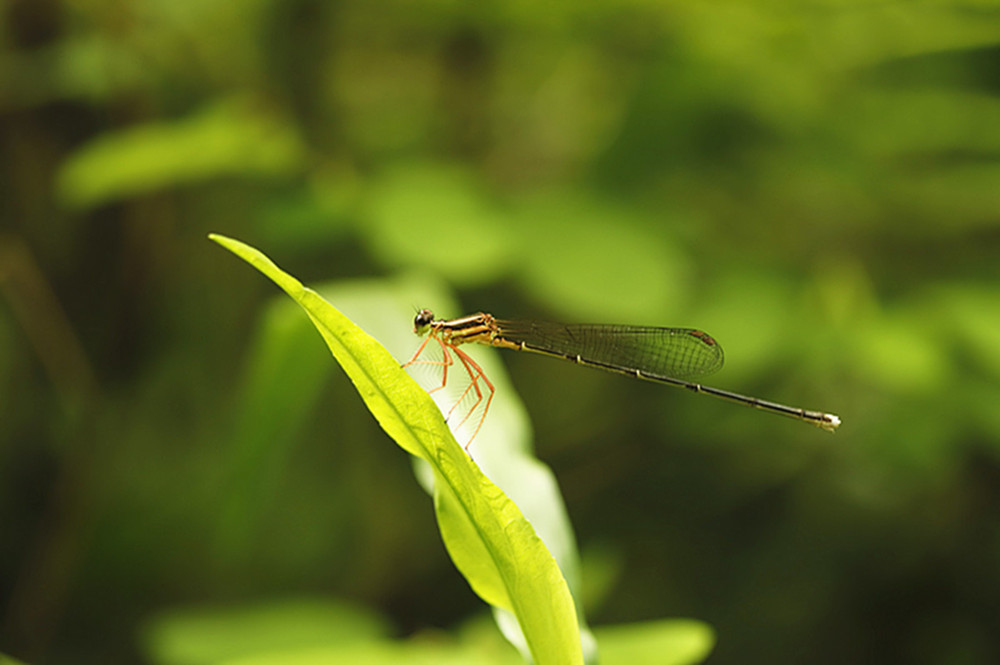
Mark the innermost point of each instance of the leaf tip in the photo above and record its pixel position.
(231, 244)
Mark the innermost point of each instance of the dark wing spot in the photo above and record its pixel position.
(704, 337)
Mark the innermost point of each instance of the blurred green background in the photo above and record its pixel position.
(815, 184)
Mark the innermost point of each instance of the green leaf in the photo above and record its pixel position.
(559, 268)
(234, 137)
(667, 642)
(487, 536)
(7, 660)
(430, 215)
(210, 635)
(268, 418)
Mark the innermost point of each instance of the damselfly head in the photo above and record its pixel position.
(423, 321)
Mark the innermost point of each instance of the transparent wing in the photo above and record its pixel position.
(683, 353)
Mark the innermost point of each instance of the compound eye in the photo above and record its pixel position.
(423, 319)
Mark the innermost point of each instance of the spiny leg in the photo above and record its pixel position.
(475, 373)
(445, 363)
(420, 349)
(471, 367)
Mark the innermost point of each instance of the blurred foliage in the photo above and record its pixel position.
(211, 635)
(223, 140)
(312, 632)
(816, 184)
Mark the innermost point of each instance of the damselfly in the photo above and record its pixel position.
(673, 356)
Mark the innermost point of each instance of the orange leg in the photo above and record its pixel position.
(420, 349)
(475, 373)
(473, 386)
(471, 367)
(445, 363)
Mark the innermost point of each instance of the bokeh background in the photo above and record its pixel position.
(816, 184)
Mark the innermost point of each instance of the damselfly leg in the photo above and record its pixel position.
(475, 397)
